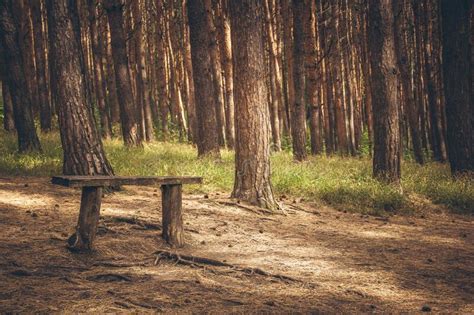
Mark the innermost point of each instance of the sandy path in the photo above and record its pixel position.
(341, 262)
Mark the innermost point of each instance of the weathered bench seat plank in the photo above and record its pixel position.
(103, 181)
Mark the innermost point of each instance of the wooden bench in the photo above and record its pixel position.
(92, 186)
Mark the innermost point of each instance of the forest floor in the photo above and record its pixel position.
(307, 258)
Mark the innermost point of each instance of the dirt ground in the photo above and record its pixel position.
(307, 259)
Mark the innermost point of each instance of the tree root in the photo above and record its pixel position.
(196, 261)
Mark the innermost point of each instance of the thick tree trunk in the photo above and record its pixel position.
(298, 107)
(40, 59)
(128, 111)
(458, 83)
(252, 147)
(16, 79)
(386, 161)
(83, 151)
(208, 140)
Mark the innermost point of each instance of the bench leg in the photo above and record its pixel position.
(86, 228)
(173, 231)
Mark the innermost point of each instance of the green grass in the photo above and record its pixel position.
(345, 183)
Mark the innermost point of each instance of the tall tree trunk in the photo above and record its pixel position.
(298, 107)
(275, 79)
(403, 34)
(226, 53)
(105, 125)
(83, 151)
(27, 138)
(161, 69)
(213, 49)
(40, 59)
(208, 140)
(128, 111)
(458, 83)
(386, 161)
(252, 171)
(312, 70)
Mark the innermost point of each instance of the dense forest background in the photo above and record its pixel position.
(388, 80)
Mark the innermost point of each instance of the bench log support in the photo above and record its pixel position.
(173, 231)
(86, 228)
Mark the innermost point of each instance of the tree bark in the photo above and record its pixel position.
(252, 149)
(386, 161)
(128, 111)
(83, 151)
(298, 107)
(14, 68)
(8, 120)
(40, 60)
(208, 140)
(458, 83)
(105, 124)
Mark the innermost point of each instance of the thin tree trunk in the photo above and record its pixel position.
(40, 59)
(128, 111)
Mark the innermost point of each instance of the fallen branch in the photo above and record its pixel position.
(196, 261)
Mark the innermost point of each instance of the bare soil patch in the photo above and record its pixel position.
(308, 258)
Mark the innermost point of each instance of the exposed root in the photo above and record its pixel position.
(196, 261)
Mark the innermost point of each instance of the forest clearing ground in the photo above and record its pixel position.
(342, 262)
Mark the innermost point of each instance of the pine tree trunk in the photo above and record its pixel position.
(14, 68)
(83, 151)
(105, 126)
(298, 107)
(458, 80)
(252, 172)
(40, 60)
(208, 139)
(8, 120)
(312, 70)
(128, 112)
(386, 161)
(226, 53)
(403, 34)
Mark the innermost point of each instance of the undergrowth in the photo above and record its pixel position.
(345, 183)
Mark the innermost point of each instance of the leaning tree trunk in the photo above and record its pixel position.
(458, 80)
(22, 112)
(82, 146)
(252, 146)
(381, 35)
(83, 151)
(128, 111)
(207, 140)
